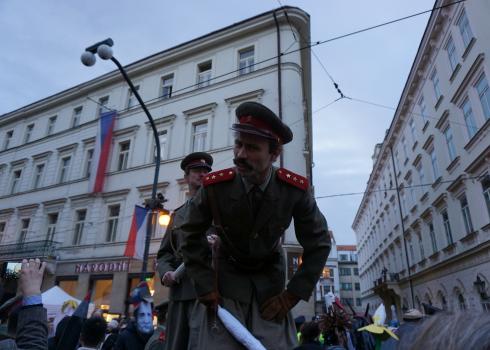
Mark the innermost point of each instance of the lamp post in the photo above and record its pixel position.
(104, 50)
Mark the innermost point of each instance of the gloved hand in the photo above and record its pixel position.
(210, 300)
(277, 307)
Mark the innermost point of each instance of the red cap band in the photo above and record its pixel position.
(258, 124)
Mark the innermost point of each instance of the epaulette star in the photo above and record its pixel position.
(219, 176)
(293, 179)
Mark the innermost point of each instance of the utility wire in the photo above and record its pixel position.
(309, 46)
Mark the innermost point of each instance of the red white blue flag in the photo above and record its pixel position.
(135, 246)
(102, 150)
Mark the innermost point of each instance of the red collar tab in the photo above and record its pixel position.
(219, 176)
(293, 179)
(258, 124)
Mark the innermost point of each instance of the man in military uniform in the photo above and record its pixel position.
(182, 295)
(252, 205)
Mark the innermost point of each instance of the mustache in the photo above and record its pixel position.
(242, 163)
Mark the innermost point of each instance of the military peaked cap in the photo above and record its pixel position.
(256, 119)
(197, 160)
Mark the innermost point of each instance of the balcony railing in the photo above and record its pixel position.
(27, 250)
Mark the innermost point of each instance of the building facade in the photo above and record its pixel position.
(423, 224)
(329, 279)
(349, 281)
(192, 90)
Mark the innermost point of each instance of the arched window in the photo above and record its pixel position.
(461, 302)
(442, 300)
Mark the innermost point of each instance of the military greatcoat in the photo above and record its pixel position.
(252, 261)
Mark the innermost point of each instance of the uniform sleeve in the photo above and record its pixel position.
(195, 249)
(166, 260)
(32, 328)
(312, 233)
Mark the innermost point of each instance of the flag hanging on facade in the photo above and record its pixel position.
(102, 149)
(135, 246)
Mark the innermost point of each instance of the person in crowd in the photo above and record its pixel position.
(31, 331)
(182, 295)
(111, 335)
(138, 332)
(93, 333)
(251, 206)
(444, 331)
(310, 331)
(158, 339)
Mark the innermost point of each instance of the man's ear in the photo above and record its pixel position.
(277, 152)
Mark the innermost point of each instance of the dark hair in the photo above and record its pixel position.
(309, 331)
(93, 331)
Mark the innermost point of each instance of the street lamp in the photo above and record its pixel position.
(104, 50)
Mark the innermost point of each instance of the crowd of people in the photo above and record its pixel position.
(223, 262)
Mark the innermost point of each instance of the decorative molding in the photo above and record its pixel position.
(428, 142)
(482, 161)
(18, 162)
(468, 77)
(54, 202)
(42, 156)
(207, 108)
(67, 148)
(443, 119)
(248, 96)
(163, 120)
(126, 131)
(440, 201)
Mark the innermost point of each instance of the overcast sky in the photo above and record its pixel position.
(41, 42)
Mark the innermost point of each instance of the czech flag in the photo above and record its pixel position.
(135, 246)
(102, 150)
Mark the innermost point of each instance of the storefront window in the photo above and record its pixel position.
(134, 281)
(69, 286)
(102, 293)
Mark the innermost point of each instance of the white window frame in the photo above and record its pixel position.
(163, 145)
(51, 125)
(77, 116)
(3, 229)
(447, 226)
(451, 148)
(51, 227)
(112, 223)
(204, 76)
(9, 135)
(23, 230)
(434, 78)
(423, 108)
(64, 169)
(465, 211)
(202, 141)
(103, 103)
(464, 28)
(166, 87)
(79, 226)
(484, 95)
(28, 133)
(452, 53)
(132, 100)
(432, 235)
(123, 155)
(469, 117)
(38, 176)
(89, 158)
(433, 160)
(485, 183)
(16, 181)
(246, 64)
(421, 247)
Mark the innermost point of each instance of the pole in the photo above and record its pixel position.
(153, 202)
(403, 229)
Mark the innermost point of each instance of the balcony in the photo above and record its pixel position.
(28, 250)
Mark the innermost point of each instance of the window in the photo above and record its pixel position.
(358, 302)
(413, 131)
(344, 257)
(412, 253)
(77, 115)
(461, 302)
(420, 171)
(122, 163)
(447, 227)
(204, 74)
(64, 168)
(246, 60)
(2, 230)
(421, 247)
(435, 84)
(51, 229)
(132, 101)
(347, 301)
(435, 167)
(167, 86)
(422, 109)
(356, 271)
(452, 54)
(51, 125)
(28, 134)
(346, 286)
(484, 94)
(432, 235)
(465, 210)
(8, 138)
(469, 119)
(344, 271)
(112, 222)
(103, 103)
(486, 191)
(14, 186)
(464, 29)
(448, 135)
(199, 134)
(24, 229)
(38, 175)
(357, 286)
(80, 216)
(88, 162)
(162, 138)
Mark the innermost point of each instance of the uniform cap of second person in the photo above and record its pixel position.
(256, 119)
(197, 160)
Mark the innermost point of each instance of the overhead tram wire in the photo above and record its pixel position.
(310, 45)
